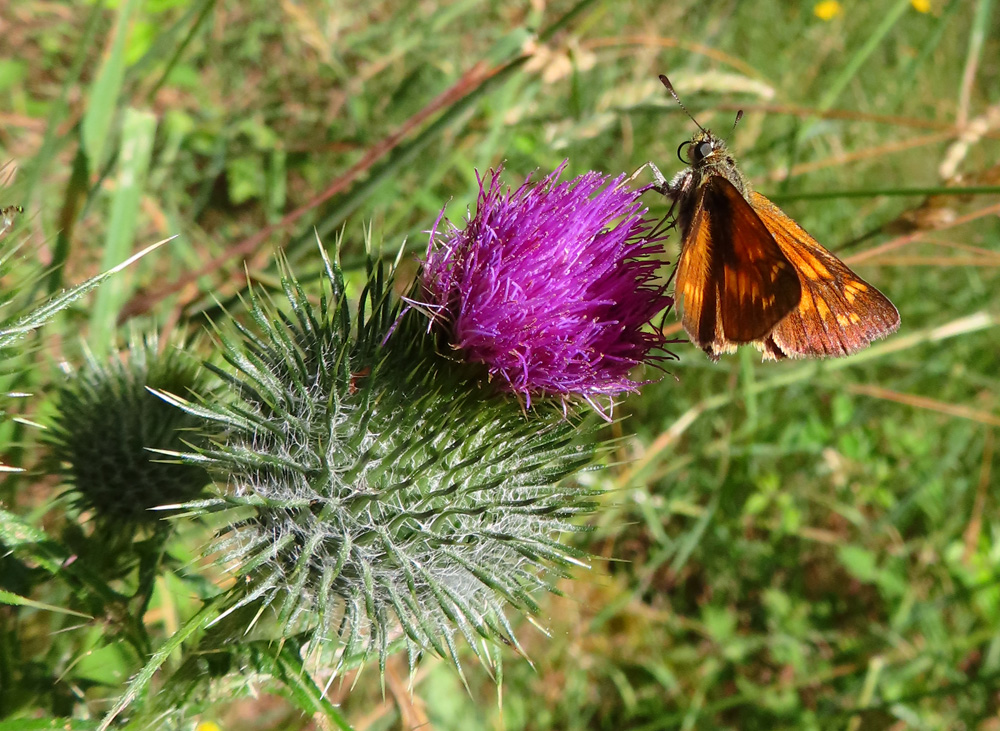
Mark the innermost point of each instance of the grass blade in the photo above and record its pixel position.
(104, 93)
(138, 131)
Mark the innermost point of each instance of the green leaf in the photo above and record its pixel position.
(303, 689)
(139, 681)
(860, 562)
(47, 724)
(40, 315)
(16, 600)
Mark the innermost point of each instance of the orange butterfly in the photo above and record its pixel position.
(749, 274)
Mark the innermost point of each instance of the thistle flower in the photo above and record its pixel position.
(382, 494)
(107, 422)
(547, 286)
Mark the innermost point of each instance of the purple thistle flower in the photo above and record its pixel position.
(550, 286)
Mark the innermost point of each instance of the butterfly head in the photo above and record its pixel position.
(705, 150)
(706, 156)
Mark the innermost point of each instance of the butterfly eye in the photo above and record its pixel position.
(680, 152)
(703, 150)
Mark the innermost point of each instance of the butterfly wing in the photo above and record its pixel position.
(838, 312)
(697, 285)
(758, 285)
(736, 282)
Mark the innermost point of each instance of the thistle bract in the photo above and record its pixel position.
(550, 287)
(389, 495)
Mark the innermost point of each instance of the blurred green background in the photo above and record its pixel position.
(794, 545)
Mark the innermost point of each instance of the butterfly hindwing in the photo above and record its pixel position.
(838, 312)
(697, 285)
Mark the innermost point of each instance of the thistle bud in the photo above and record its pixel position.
(107, 424)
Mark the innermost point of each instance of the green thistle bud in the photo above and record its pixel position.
(383, 492)
(107, 422)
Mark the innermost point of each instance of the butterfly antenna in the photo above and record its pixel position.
(670, 87)
(739, 116)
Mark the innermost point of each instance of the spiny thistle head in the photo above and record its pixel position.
(551, 286)
(107, 421)
(390, 497)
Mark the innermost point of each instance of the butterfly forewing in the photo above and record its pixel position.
(758, 285)
(838, 312)
(736, 282)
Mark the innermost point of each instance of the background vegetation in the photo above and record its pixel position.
(796, 545)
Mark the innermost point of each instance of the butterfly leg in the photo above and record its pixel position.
(662, 185)
(665, 188)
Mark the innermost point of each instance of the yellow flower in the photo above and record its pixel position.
(207, 726)
(828, 9)
(921, 6)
